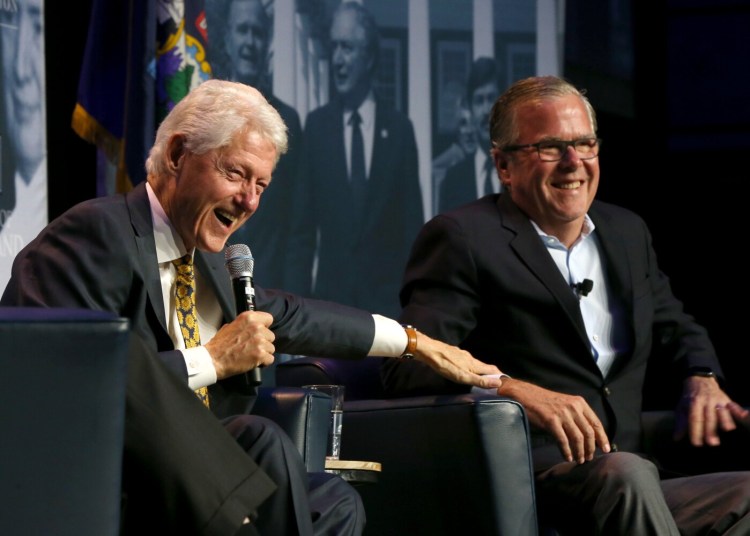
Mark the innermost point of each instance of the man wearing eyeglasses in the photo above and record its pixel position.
(564, 294)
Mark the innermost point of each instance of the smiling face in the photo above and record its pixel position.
(555, 195)
(246, 40)
(211, 195)
(23, 72)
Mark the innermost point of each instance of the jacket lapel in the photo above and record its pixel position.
(533, 253)
(617, 266)
(143, 227)
(211, 266)
(617, 261)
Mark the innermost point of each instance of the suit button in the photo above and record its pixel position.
(606, 391)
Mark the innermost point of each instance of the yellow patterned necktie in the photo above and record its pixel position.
(186, 310)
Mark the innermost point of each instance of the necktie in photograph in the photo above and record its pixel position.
(358, 176)
(186, 311)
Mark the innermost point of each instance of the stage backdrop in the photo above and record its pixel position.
(23, 144)
(430, 68)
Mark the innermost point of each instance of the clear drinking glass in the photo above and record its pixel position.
(336, 392)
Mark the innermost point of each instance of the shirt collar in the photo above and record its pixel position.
(169, 244)
(366, 112)
(552, 241)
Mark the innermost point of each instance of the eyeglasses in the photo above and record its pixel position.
(554, 150)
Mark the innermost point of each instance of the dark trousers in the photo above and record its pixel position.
(182, 472)
(623, 493)
(303, 503)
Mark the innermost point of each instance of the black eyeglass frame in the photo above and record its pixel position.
(561, 144)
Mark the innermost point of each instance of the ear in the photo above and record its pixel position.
(175, 152)
(502, 165)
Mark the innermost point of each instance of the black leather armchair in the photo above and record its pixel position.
(62, 408)
(456, 464)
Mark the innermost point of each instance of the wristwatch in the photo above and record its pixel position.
(411, 345)
(703, 372)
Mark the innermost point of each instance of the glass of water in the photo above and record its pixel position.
(336, 392)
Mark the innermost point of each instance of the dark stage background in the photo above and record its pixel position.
(676, 135)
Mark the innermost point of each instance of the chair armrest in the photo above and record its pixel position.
(458, 464)
(304, 415)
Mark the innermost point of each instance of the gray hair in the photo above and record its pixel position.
(503, 126)
(212, 116)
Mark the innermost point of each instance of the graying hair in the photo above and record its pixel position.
(211, 117)
(503, 126)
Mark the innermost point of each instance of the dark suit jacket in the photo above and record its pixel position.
(267, 232)
(459, 185)
(481, 277)
(360, 256)
(101, 255)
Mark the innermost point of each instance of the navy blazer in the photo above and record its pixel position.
(360, 256)
(480, 277)
(101, 255)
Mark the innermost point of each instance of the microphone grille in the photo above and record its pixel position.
(239, 261)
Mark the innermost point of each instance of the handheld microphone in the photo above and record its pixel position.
(583, 288)
(240, 263)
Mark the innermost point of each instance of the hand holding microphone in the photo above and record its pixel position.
(240, 263)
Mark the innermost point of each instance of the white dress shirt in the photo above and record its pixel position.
(602, 315)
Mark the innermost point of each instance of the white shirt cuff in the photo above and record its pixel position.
(390, 338)
(200, 367)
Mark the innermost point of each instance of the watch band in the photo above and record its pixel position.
(411, 345)
(703, 372)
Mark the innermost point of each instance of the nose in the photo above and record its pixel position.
(248, 199)
(337, 55)
(570, 157)
(252, 37)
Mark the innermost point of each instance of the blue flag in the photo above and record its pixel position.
(141, 58)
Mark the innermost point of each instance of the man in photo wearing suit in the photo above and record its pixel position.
(359, 206)
(509, 278)
(156, 256)
(474, 176)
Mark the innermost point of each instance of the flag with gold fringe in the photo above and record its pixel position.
(141, 58)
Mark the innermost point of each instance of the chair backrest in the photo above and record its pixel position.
(62, 413)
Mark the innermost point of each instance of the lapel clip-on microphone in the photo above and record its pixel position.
(582, 288)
